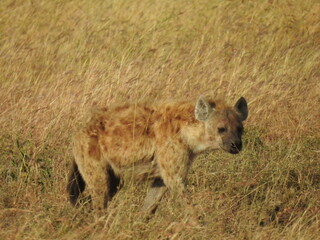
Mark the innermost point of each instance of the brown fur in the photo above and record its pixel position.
(157, 141)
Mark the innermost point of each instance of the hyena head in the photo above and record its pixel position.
(223, 125)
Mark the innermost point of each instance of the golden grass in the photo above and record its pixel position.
(58, 59)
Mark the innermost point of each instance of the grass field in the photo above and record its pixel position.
(59, 59)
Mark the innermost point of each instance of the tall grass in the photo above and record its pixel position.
(59, 59)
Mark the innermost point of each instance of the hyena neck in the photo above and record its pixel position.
(194, 136)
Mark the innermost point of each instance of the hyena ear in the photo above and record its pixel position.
(203, 109)
(242, 108)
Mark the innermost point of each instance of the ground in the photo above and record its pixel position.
(60, 59)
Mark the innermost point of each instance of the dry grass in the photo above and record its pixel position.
(59, 58)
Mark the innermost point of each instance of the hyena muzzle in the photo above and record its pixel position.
(155, 141)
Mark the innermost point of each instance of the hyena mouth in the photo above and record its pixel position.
(233, 148)
(234, 151)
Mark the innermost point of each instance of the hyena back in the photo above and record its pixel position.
(152, 141)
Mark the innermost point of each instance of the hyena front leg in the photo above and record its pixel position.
(154, 195)
(173, 162)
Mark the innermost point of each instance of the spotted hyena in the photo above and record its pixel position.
(154, 141)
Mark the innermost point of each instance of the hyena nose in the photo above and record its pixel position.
(236, 147)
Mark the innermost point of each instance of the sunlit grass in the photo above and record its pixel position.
(58, 59)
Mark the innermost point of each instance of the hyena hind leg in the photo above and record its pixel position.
(98, 183)
(103, 186)
(154, 195)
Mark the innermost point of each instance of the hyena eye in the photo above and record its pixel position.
(222, 130)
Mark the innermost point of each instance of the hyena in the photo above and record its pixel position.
(154, 141)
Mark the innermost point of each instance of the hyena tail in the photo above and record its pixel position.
(76, 184)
